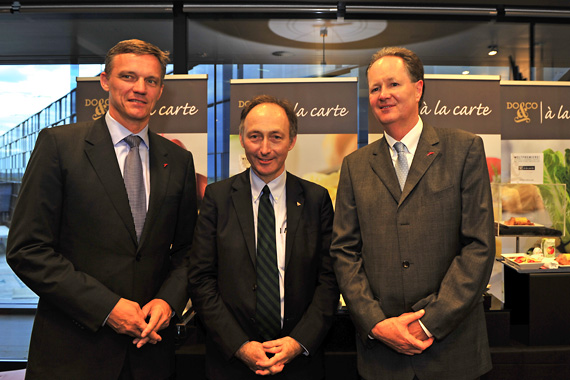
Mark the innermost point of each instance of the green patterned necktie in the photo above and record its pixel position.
(268, 314)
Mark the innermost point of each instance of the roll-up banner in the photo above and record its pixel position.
(327, 111)
(536, 123)
(180, 114)
(535, 110)
(471, 103)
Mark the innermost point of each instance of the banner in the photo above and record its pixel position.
(180, 115)
(471, 103)
(327, 111)
(535, 110)
(322, 105)
(182, 108)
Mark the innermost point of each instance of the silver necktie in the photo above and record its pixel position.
(401, 166)
(134, 182)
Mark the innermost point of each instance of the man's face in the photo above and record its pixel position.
(392, 95)
(266, 140)
(134, 86)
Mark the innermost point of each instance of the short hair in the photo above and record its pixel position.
(413, 63)
(283, 103)
(137, 47)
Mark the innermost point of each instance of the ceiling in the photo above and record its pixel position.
(290, 33)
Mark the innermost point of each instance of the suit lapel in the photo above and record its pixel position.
(241, 198)
(159, 176)
(428, 149)
(101, 153)
(381, 163)
(295, 204)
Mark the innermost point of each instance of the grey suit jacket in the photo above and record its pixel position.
(222, 275)
(429, 246)
(73, 242)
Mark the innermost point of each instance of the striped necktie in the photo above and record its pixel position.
(268, 313)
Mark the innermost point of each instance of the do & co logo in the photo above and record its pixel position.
(100, 107)
(522, 108)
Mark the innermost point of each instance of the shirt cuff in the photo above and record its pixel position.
(425, 329)
(305, 351)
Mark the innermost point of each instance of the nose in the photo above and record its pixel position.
(265, 148)
(383, 93)
(140, 86)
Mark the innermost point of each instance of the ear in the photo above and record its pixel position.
(160, 93)
(419, 89)
(241, 140)
(104, 80)
(292, 144)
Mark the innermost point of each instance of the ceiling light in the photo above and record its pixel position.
(282, 53)
(465, 72)
(493, 50)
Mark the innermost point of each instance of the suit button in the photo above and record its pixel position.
(406, 264)
(254, 287)
(138, 258)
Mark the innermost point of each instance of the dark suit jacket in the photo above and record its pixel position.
(222, 275)
(72, 241)
(431, 246)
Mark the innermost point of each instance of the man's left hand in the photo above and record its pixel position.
(284, 350)
(416, 330)
(160, 313)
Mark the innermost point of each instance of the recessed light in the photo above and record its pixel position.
(282, 53)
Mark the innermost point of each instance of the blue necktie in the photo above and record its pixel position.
(134, 183)
(268, 313)
(401, 166)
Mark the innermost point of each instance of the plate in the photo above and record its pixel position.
(521, 225)
(511, 257)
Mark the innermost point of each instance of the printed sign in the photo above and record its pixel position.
(535, 110)
(322, 105)
(182, 108)
(527, 168)
(471, 103)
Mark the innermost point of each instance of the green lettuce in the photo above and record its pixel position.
(557, 171)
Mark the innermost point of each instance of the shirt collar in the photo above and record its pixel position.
(118, 132)
(277, 186)
(411, 139)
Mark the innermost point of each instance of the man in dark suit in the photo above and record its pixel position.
(107, 285)
(226, 285)
(413, 254)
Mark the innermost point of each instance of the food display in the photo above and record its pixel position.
(563, 259)
(524, 261)
(519, 221)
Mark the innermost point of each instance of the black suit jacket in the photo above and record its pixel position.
(73, 242)
(222, 275)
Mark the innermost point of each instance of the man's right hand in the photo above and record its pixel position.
(394, 332)
(251, 353)
(128, 318)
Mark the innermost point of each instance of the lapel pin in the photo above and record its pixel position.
(298, 204)
(165, 165)
(430, 153)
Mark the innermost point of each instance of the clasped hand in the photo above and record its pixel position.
(403, 334)
(254, 355)
(128, 318)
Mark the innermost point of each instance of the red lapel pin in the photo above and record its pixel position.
(165, 165)
(430, 153)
